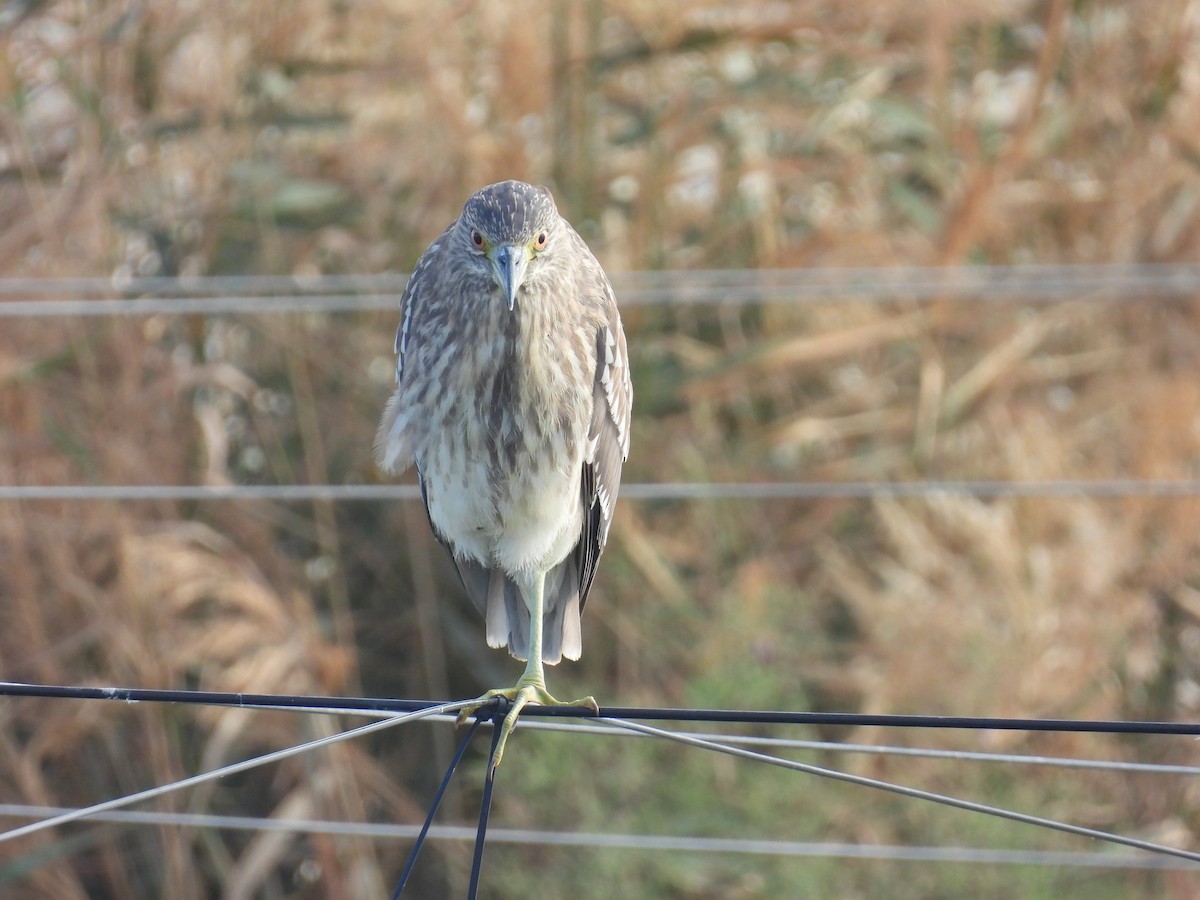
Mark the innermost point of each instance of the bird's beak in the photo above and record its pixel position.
(508, 264)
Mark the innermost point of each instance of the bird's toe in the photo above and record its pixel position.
(487, 699)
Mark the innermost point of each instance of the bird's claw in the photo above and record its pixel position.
(491, 698)
(520, 696)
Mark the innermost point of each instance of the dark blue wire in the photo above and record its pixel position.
(748, 717)
(485, 806)
(433, 808)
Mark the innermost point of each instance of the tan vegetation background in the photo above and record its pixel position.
(179, 137)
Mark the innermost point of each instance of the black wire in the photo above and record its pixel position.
(747, 717)
(485, 806)
(986, 723)
(433, 808)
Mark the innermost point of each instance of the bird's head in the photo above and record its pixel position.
(507, 227)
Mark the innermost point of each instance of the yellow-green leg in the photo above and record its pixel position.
(531, 686)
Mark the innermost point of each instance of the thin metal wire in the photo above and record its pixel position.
(625, 841)
(1063, 762)
(1099, 488)
(370, 707)
(751, 740)
(745, 740)
(912, 793)
(1112, 489)
(190, 306)
(192, 781)
(671, 714)
(1024, 284)
(203, 284)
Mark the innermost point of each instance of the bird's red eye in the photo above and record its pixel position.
(476, 238)
(541, 240)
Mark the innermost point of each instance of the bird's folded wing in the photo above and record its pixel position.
(608, 444)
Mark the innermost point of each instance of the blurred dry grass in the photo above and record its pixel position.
(182, 138)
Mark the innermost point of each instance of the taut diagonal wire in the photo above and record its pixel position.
(274, 756)
(904, 791)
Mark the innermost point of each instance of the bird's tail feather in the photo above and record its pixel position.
(507, 616)
(562, 635)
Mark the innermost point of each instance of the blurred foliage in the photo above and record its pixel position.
(183, 138)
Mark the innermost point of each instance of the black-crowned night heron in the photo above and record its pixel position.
(513, 400)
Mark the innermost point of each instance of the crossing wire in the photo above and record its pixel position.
(382, 707)
(662, 714)
(149, 793)
(417, 709)
(913, 793)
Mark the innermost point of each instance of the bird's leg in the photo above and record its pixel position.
(531, 686)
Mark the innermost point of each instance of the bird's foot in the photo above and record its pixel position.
(520, 695)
